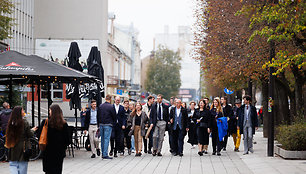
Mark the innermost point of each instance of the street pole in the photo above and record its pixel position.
(270, 103)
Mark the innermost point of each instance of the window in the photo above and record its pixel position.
(56, 90)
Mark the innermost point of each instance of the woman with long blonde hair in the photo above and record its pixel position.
(18, 134)
(216, 112)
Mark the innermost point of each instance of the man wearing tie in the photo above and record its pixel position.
(159, 117)
(247, 123)
(178, 120)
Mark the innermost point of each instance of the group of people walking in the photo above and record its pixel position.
(148, 123)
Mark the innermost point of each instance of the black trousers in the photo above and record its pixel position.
(145, 142)
(128, 139)
(117, 139)
(178, 140)
(216, 144)
(224, 142)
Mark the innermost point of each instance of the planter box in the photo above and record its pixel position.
(286, 154)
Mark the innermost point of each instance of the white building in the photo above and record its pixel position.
(22, 32)
(182, 42)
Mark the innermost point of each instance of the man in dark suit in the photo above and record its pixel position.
(178, 120)
(159, 117)
(247, 123)
(119, 126)
(91, 125)
(106, 119)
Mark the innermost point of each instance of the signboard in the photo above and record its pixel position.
(59, 48)
(119, 91)
(132, 93)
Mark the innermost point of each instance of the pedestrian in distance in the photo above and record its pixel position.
(228, 112)
(91, 125)
(117, 131)
(203, 116)
(216, 112)
(18, 134)
(192, 133)
(58, 140)
(5, 116)
(127, 137)
(106, 120)
(168, 128)
(247, 123)
(147, 109)
(179, 126)
(140, 121)
(236, 136)
(83, 115)
(159, 117)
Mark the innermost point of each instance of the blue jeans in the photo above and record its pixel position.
(106, 132)
(18, 167)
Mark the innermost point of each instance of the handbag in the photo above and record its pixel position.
(43, 137)
(27, 152)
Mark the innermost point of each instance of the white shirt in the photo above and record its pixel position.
(117, 108)
(161, 109)
(178, 112)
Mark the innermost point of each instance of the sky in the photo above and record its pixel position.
(149, 17)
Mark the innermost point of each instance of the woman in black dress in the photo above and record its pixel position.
(203, 121)
(192, 133)
(58, 140)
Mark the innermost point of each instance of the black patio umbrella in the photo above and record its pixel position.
(74, 54)
(75, 101)
(95, 68)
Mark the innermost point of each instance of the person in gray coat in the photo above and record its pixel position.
(247, 123)
(139, 123)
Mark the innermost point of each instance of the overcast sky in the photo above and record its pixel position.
(150, 17)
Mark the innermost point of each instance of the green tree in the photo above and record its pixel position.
(163, 76)
(6, 7)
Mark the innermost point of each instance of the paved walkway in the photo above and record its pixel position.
(191, 163)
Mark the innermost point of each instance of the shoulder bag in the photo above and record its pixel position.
(43, 137)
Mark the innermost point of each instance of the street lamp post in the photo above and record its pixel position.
(270, 103)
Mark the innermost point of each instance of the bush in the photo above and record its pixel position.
(292, 137)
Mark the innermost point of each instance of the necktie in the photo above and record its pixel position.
(159, 112)
(247, 107)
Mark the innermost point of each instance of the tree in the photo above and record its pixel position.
(163, 76)
(6, 7)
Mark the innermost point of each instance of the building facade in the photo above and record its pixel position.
(22, 31)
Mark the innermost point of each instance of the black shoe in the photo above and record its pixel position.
(129, 151)
(154, 153)
(115, 155)
(224, 149)
(205, 152)
(145, 151)
(107, 157)
(171, 151)
(149, 152)
(214, 153)
(200, 153)
(174, 154)
(137, 154)
(181, 154)
(111, 153)
(159, 154)
(218, 153)
(98, 152)
(93, 156)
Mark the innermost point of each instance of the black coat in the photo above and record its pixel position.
(153, 114)
(87, 118)
(184, 118)
(213, 120)
(232, 121)
(55, 152)
(204, 116)
(254, 118)
(120, 117)
(106, 114)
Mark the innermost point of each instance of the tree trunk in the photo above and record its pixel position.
(281, 105)
(265, 96)
(298, 87)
